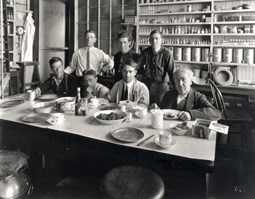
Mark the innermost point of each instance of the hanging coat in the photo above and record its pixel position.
(28, 39)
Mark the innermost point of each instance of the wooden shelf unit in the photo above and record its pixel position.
(226, 27)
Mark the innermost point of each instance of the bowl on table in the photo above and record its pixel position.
(110, 117)
(43, 107)
(180, 129)
(65, 104)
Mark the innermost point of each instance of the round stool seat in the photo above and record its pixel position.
(133, 182)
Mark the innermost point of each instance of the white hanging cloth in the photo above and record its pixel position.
(28, 39)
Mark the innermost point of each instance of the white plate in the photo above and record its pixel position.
(127, 134)
(47, 97)
(35, 117)
(110, 106)
(173, 111)
(156, 140)
(137, 115)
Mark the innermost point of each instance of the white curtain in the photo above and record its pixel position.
(28, 39)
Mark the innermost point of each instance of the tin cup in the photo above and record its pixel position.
(165, 137)
(30, 95)
(94, 102)
(122, 107)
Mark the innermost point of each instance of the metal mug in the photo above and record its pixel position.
(30, 95)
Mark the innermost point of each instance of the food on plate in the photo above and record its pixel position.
(182, 126)
(170, 115)
(110, 116)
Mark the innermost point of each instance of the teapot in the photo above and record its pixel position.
(16, 185)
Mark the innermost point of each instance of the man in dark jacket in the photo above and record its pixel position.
(156, 65)
(125, 53)
(191, 103)
(59, 82)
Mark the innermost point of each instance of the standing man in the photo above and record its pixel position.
(125, 53)
(129, 88)
(156, 67)
(89, 57)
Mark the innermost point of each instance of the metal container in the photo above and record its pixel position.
(238, 55)
(178, 54)
(228, 54)
(187, 54)
(15, 186)
(249, 56)
(217, 54)
(252, 29)
(205, 54)
(196, 54)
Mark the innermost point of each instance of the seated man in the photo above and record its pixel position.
(190, 102)
(90, 88)
(59, 82)
(129, 88)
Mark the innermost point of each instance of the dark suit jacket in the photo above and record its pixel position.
(67, 86)
(195, 103)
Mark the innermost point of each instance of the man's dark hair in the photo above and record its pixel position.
(125, 34)
(129, 62)
(156, 31)
(89, 72)
(89, 31)
(54, 60)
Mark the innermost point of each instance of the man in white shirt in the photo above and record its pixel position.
(129, 88)
(89, 57)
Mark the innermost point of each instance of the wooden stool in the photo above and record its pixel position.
(132, 182)
(24, 74)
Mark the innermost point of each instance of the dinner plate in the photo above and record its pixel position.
(139, 116)
(156, 140)
(35, 118)
(110, 106)
(47, 97)
(170, 111)
(127, 134)
(11, 103)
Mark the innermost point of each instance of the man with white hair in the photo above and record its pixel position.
(191, 103)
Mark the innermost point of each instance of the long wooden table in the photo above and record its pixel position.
(186, 146)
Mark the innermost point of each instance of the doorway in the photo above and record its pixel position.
(54, 30)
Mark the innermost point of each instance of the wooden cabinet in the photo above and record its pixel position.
(204, 35)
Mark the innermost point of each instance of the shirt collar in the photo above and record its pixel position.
(130, 84)
(183, 96)
(155, 53)
(57, 81)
